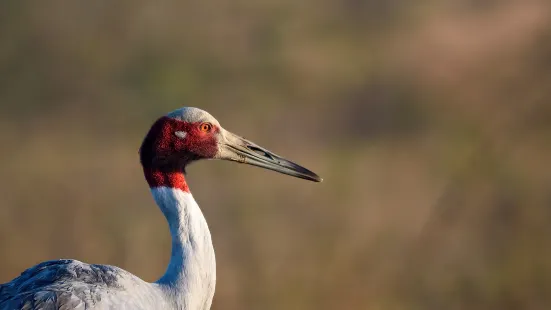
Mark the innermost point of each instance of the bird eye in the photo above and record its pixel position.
(205, 127)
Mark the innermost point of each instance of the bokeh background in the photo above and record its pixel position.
(430, 122)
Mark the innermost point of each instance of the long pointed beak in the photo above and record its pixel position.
(238, 149)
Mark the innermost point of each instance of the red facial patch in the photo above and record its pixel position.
(158, 178)
(164, 155)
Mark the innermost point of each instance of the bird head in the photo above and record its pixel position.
(189, 134)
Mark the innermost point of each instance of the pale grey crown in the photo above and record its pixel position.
(193, 115)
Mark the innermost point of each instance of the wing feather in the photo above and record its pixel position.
(60, 284)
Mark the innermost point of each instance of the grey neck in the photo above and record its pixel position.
(191, 274)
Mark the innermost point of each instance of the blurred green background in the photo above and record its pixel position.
(430, 122)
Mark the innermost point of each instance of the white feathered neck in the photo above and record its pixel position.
(191, 274)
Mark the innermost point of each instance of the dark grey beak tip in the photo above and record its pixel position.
(314, 177)
(303, 173)
(317, 179)
(308, 177)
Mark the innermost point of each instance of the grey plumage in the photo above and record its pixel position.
(71, 284)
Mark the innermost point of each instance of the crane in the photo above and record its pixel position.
(175, 140)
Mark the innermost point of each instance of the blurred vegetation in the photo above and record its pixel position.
(430, 122)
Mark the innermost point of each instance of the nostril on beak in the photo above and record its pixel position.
(259, 151)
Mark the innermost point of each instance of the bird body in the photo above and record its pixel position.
(183, 136)
(188, 282)
(71, 284)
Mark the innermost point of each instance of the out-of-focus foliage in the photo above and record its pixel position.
(430, 122)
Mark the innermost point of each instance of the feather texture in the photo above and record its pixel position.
(71, 284)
